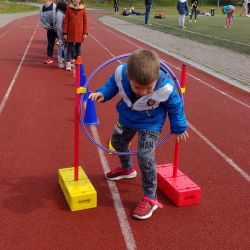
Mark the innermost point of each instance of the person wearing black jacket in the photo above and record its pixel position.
(194, 9)
(116, 6)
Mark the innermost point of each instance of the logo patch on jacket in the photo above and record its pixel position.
(151, 102)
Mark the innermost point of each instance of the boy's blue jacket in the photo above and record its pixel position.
(148, 112)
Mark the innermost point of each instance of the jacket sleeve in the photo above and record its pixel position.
(65, 22)
(43, 21)
(85, 23)
(109, 89)
(177, 118)
(59, 22)
(187, 7)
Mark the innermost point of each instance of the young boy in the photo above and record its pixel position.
(47, 20)
(147, 96)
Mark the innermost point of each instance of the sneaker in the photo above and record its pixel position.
(146, 207)
(190, 21)
(195, 21)
(48, 60)
(60, 65)
(119, 173)
(68, 66)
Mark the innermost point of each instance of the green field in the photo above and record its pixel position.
(13, 7)
(207, 30)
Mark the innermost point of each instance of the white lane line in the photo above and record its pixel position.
(178, 68)
(4, 34)
(123, 221)
(221, 92)
(109, 52)
(207, 141)
(7, 94)
(218, 151)
(124, 224)
(18, 21)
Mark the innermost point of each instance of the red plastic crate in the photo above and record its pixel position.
(181, 190)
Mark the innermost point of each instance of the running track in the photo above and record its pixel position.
(36, 138)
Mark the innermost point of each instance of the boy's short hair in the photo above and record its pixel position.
(143, 66)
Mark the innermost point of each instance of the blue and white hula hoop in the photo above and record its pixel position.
(164, 67)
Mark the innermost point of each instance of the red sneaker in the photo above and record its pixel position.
(48, 60)
(146, 207)
(119, 173)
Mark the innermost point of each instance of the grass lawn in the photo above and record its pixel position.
(12, 7)
(207, 30)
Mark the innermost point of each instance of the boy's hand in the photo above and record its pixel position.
(65, 36)
(84, 36)
(182, 137)
(96, 97)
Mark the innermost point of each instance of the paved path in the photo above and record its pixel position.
(229, 66)
(7, 18)
(224, 64)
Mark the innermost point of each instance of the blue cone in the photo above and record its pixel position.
(83, 78)
(86, 95)
(90, 117)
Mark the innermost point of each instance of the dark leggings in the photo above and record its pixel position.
(193, 11)
(51, 37)
(73, 48)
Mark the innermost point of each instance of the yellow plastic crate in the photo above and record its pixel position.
(79, 194)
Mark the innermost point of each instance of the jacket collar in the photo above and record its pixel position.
(81, 6)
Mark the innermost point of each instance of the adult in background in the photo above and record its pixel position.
(116, 6)
(194, 9)
(248, 6)
(148, 6)
(182, 7)
(244, 7)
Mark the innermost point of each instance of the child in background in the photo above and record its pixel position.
(75, 29)
(147, 97)
(60, 14)
(194, 9)
(182, 7)
(48, 20)
(229, 10)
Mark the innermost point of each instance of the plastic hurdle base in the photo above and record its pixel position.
(180, 189)
(79, 194)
